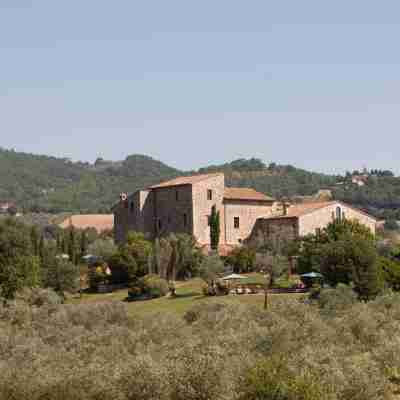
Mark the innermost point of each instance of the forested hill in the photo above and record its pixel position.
(275, 180)
(42, 183)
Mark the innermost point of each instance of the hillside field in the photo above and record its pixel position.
(189, 294)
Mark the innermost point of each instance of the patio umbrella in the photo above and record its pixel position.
(234, 277)
(312, 275)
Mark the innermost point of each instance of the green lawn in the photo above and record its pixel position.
(188, 294)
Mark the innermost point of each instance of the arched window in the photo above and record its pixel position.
(132, 207)
(338, 213)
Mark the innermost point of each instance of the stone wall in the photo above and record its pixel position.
(202, 207)
(120, 222)
(173, 210)
(273, 232)
(248, 213)
(319, 219)
(134, 215)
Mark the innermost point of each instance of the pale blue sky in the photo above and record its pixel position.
(314, 83)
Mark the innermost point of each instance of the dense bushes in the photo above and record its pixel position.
(294, 351)
(242, 259)
(151, 286)
(344, 252)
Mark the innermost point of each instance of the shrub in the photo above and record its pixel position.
(151, 286)
(103, 249)
(211, 268)
(390, 271)
(274, 380)
(338, 299)
(97, 275)
(243, 259)
(38, 297)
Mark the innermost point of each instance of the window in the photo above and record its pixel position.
(209, 194)
(209, 220)
(185, 220)
(176, 195)
(159, 224)
(338, 213)
(236, 222)
(132, 207)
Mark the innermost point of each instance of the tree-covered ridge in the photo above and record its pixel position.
(43, 183)
(274, 180)
(380, 195)
(50, 184)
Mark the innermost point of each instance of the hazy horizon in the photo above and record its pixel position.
(312, 84)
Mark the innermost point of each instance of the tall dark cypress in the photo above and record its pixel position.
(41, 248)
(215, 229)
(72, 246)
(84, 244)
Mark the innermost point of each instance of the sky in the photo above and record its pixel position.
(313, 83)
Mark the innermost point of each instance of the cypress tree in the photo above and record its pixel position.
(84, 246)
(59, 242)
(41, 248)
(215, 229)
(72, 246)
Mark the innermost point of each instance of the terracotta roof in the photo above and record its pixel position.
(245, 194)
(299, 210)
(185, 180)
(100, 222)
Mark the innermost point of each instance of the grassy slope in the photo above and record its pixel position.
(189, 294)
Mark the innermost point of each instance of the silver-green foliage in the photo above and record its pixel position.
(294, 351)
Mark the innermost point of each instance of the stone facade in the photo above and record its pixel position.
(248, 213)
(271, 231)
(184, 206)
(305, 219)
(202, 207)
(309, 223)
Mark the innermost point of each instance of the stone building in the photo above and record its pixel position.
(303, 219)
(183, 205)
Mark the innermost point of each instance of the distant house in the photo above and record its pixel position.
(100, 222)
(184, 205)
(304, 219)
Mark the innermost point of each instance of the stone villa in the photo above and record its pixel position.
(183, 205)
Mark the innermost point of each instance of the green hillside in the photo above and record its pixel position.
(42, 183)
(50, 184)
(275, 180)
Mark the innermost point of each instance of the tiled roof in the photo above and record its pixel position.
(100, 222)
(185, 180)
(301, 209)
(298, 210)
(245, 194)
